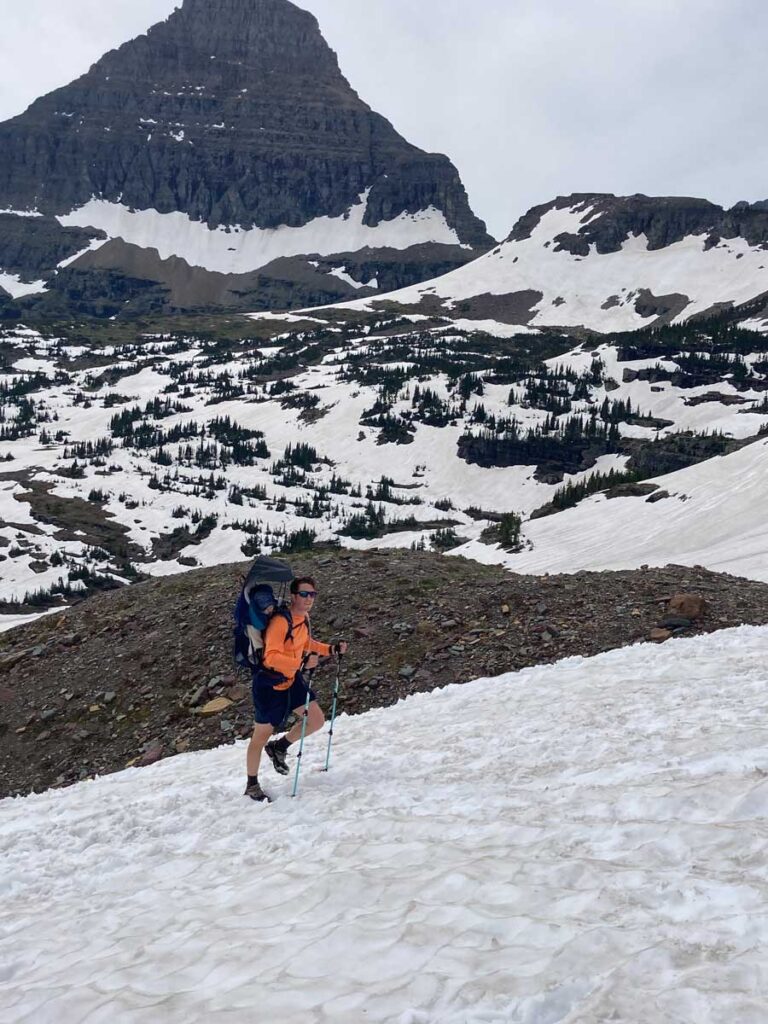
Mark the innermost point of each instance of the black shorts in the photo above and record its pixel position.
(272, 707)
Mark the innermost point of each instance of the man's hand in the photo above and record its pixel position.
(340, 647)
(312, 662)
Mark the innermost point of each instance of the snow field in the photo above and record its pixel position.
(576, 842)
(665, 401)
(599, 290)
(715, 516)
(336, 435)
(236, 250)
(722, 528)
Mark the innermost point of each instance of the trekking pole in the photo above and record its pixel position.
(303, 733)
(333, 712)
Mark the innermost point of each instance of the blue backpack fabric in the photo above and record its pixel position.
(255, 607)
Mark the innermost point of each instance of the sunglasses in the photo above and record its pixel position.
(307, 593)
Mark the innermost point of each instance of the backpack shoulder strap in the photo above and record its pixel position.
(283, 610)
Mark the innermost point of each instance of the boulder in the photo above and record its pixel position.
(674, 622)
(199, 696)
(215, 706)
(152, 753)
(13, 659)
(691, 606)
(238, 691)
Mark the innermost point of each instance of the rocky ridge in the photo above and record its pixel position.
(128, 677)
(664, 220)
(602, 263)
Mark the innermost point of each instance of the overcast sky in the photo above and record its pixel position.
(529, 98)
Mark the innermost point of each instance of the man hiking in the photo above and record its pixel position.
(279, 686)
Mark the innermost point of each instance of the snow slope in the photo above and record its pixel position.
(239, 251)
(15, 287)
(600, 857)
(715, 515)
(599, 290)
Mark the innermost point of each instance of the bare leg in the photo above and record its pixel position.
(315, 721)
(261, 734)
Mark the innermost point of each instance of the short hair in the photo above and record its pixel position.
(296, 584)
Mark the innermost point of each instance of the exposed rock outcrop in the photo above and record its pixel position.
(663, 220)
(30, 246)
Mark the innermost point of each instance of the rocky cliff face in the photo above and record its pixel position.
(234, 113)
(662, 219)
(30, 245)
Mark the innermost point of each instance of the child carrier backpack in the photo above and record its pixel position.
(255, 607)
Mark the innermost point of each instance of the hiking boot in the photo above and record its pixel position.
(255, 792)
(277, 756)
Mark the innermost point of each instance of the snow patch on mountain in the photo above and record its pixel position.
(23, 213)
(95, 243)
(234, 250)
(494, 327)
(15, 287)
(757, 323)
(341, 273)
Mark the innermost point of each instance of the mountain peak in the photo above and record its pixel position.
(230, 114)
(264, 35)
(234, 112)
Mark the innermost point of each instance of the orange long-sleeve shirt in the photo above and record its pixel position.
(285, 654)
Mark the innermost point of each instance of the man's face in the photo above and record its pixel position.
(304, 597)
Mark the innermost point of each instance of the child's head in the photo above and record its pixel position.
(263, 598)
